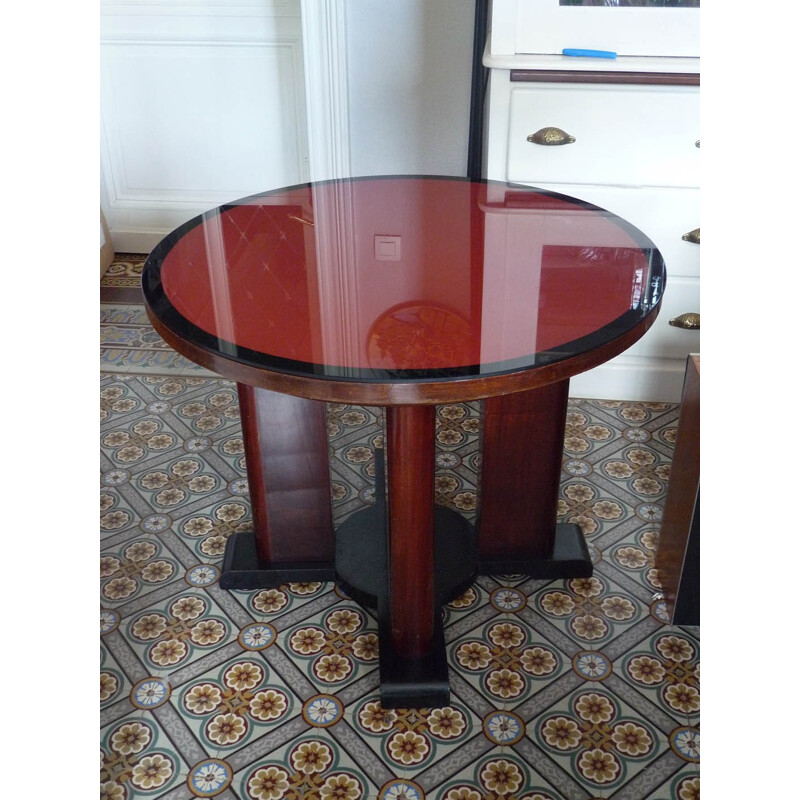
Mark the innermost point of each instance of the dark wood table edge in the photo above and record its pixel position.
(398, 393)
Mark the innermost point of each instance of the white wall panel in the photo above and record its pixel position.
(194, 121)
(201, 103)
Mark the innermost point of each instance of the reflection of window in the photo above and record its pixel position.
(633, 3)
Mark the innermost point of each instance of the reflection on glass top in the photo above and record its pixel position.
(633, 3)
(395, 278)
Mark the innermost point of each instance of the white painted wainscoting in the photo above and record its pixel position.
(201, 103)
(207, 101)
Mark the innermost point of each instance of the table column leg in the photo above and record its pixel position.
(405, 557)
(413, 664)
(409, 462)
(522, 450)
(286, 450)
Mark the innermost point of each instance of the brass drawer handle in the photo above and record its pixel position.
(551, 136)
(692, 236)
(689, 321)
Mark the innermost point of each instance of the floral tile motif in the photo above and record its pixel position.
(506, 661)
(135, 568)
(311, 766)
(457, 458)
(242, 699)
(229, 448)
(642, 471)
(665, 668)
(210, 412)
(127, 445)
(335, 647)
(116, 399)
(207, 530)
(632, 414)
(597, 738)
(178, 631)
(497, 776)
(266, 605)
(591, 611)
(178, 482)
(138, 759)
(114, 684)
(582, 435)
(685, 786)
(344, 420)
(411, 738)
(582, 504)
(117, 518)
(561, 689)
(353, 479)
(471, 601)
(635, 556)
(124, 270)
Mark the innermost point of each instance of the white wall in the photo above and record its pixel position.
(203, 102)
(409, 67)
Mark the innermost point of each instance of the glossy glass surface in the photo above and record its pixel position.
(403, 278)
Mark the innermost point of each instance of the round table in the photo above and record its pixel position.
(403, 292)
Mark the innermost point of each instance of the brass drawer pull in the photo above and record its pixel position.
(551, 136)
(692, 236)
(689, 321)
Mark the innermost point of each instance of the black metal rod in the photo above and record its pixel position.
(480, 77)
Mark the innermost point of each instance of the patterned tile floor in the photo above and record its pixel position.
(565, 689)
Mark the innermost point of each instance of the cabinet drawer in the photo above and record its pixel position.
(663, 340)
(624, 135)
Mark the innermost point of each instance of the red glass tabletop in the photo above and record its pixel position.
(403, 279)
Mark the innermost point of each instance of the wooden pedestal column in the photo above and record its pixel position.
(286, 450)
(409, 464)
(523, 444)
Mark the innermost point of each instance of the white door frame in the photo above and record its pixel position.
(326, 81)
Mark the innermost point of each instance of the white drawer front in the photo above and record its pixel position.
(624, 135)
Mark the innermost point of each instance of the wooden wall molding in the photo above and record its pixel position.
(604, 76)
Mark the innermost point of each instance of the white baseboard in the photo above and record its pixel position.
(632, 378)
(136, 241)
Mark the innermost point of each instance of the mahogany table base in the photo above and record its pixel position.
(363, 544)
(361, 558)
(404, 558)
(243, 569)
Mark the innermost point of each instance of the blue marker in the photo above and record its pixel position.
(568, 51)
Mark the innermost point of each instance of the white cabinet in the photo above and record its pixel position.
(617, 130)
(549, 26)
(633, 149)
